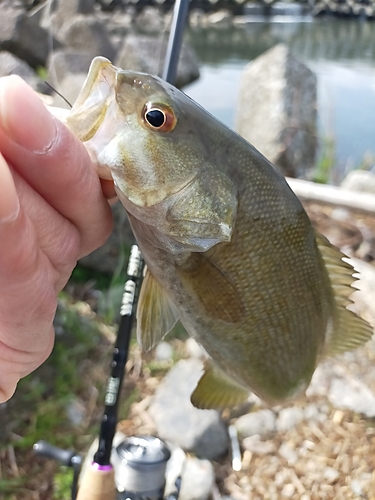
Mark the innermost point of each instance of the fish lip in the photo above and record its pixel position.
(88, 112)
(97, 67)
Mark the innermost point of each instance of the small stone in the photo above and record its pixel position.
(306, 448)
(351, 393)
(255, 445)
(288, 490)
(280, 477)
(356, 487)
(197, 479)
(337, 417)
(360, 180)
(289, 418)
(288, 453)
(262, 422)
(163, 351)
(330, 474)
(221, 18)
(311, 413)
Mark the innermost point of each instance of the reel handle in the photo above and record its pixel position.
(46, 450)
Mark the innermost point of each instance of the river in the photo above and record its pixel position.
(340, 52)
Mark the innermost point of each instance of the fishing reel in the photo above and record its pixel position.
(139, 463)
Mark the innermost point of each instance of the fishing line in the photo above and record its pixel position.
(58, 93)
(49, 27)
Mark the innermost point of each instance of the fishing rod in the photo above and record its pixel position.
(139, 454)
(98, 482)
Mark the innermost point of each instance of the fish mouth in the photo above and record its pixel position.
(89, 110)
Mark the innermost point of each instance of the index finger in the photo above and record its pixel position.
(52, 161)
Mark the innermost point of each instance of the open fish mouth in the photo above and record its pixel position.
(87, 116)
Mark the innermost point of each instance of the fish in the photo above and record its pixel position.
(229, 249)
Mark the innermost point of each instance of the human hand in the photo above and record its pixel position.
(52, 212)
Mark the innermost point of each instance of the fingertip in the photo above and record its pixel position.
(9, 202)
(24, 117)
(8, 387)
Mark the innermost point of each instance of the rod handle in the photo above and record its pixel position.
(97, 484)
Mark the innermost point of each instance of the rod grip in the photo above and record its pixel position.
(97, 484)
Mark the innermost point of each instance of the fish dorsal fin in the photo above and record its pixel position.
(216, 390)
(349, 330)
(211, 288)
(156, 314)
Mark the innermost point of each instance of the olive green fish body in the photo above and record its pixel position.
(229, 249)
(274, 265)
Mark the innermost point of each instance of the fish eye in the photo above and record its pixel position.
(155, 118)
(159, 117)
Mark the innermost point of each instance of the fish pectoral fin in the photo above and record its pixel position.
(216, 390)
(349, 331)
(211, 288)
(156, 313)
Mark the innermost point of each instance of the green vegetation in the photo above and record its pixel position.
(63, 484)
(322, 172)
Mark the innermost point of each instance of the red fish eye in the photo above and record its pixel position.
(159, 117)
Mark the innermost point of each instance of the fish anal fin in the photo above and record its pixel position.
(211, 288)
(348, 330)
(215, 390)
(156, 314)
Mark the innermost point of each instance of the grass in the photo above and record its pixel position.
(63, 484)
(322, 172)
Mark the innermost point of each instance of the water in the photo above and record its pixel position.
(340, 52)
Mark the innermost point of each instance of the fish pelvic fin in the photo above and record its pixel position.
(211, 288)
(215, 390)
(349, 331)
(156, 313)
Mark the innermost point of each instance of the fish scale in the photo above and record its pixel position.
(230, 251)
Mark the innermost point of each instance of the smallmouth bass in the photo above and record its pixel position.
(229, 248)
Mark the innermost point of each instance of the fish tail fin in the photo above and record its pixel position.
(349, 331)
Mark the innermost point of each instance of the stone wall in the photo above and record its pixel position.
(341, 8)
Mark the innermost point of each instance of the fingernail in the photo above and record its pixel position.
(9, 202)
(24, 117)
